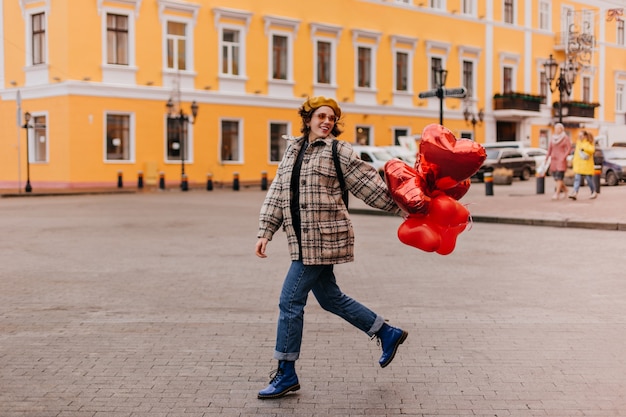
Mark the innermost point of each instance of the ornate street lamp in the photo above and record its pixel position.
(26, 127)
(440, 75)
(474, 119)
(567, 77)
(182, 120)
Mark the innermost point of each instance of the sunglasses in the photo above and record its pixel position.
(322, 116)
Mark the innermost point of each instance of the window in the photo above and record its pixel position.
(619, 98)
(280, 57)
(230, 146)
(363, 135)
(118, 147)
(176, 45)
(364, 67)
(435, 65)
(178, 145)
(397, 133)
(231, 50)
(324, 62)
(277, 143)
(509, 11)
(544, 15)
(38, 38)
(39, 142)
(469, 7)
(620, 32)
(402, 71)
(468, 77)
(117, 39)
(437, 4)
(507, 80)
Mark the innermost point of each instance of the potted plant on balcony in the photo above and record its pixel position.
(519, 101)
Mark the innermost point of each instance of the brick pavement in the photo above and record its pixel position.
(153, 304)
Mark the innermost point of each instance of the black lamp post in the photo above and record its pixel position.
(440, 75)
(27, 126)
(182, 119)
(474, 119)
(567, 77)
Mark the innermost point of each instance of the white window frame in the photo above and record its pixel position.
(325, 33)
(373, 39)
(241, 56)
(115, 73)
(179, 12)
(620, 97)
(287, 125)
(509, 61)
(240, 143)
(36, 74)
(405, 45)
(237, 20)
(469, 7)
(514, 11)
(437, 4)
(32, 139)
(281, 26)
(589, 79)
(189, 145)
(131, 137)
(545, 15)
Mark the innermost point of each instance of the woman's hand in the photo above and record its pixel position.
(261, 244)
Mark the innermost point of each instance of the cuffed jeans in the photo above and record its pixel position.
(320, 279)
(588, 179)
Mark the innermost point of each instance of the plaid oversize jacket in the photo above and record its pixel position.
(327, 234)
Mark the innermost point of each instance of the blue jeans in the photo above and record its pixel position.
(588, 178)
(320, 279)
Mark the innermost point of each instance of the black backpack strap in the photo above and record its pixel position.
(342, 181)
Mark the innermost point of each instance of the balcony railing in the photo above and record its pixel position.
(518, 101)
(576, 109)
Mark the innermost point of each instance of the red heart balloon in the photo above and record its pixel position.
(405, 186)
(416, 232)
(436, 231)
(442, 155)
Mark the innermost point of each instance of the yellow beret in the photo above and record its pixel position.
(319, 101)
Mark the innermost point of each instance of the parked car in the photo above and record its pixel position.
(375, 155)
(403, 154)
(613, 162)
(539, 155)
(523, 166)
(504, 144)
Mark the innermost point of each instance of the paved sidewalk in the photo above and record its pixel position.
(153, 305)
(519, 203)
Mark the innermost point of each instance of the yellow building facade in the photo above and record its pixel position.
(96, 78)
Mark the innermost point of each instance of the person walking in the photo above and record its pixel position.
(559, 148)
(305, 198)
(583, 164)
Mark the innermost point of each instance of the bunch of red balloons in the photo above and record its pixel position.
(428, 193)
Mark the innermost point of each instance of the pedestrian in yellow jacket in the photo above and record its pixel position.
(583, 164)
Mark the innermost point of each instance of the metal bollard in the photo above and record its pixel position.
(488, 178)
(209, 182)
(162, 180)
(140, 179)
(184, 184)
(263, 180)
(541, 184)
(120, 181)
(597, 175)
(236, 181)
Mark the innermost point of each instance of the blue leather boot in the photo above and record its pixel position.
(283, 381)
(390, 338)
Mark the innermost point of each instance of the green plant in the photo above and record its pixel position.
(522, 96)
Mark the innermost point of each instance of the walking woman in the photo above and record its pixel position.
(558, 150)
(305, 198)
(583, 164)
